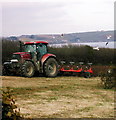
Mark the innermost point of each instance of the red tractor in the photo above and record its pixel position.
(33, 57)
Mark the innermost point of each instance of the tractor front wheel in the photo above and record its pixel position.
(28, 69)
(50, 67)
(6, 72)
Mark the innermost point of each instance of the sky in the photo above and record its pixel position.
(27, 17)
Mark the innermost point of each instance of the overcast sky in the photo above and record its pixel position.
(55, 16)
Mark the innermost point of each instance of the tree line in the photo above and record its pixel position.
(103, 56)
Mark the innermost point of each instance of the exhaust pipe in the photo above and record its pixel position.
(20, 44)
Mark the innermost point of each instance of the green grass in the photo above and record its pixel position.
(61, 97)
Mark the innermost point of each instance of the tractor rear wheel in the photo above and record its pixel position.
(28, 69)
(51, 67)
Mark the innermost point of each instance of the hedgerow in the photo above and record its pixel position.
(105, 56)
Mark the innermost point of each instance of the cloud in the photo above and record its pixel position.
(58, 16)
(31, 17)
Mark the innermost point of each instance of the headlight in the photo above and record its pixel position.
(14, 60)
(6, 63)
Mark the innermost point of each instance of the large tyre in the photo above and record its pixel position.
(28, 69)
(6, 72)
(50, 67)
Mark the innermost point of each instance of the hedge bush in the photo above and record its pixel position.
(108, 79)
(9, 108)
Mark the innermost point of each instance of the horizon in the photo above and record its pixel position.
(57, 33)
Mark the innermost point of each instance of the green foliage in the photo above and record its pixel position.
(9, 108)
(108, 78)
(105, 56)
(9, 47)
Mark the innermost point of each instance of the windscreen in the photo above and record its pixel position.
(41, 49)
(29, 48)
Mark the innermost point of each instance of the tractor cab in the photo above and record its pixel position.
(37, 49)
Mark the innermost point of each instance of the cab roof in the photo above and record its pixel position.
(35, 42)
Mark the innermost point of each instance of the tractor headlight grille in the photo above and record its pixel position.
(14, 60)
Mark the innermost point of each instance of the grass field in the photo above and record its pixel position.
(61, 97)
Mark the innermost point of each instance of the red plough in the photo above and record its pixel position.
(81, 70)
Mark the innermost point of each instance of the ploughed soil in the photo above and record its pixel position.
(61, 97)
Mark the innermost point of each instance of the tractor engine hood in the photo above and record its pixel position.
(24, 55)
